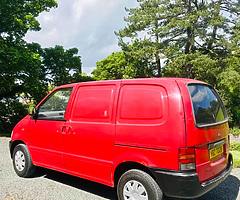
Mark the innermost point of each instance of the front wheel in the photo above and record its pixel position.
(22, 161)
(138, 185)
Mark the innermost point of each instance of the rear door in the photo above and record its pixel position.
(207, 128)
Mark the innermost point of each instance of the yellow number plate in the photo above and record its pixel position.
(216, 151)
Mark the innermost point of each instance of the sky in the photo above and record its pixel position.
(88, 25)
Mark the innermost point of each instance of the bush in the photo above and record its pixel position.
(235, 131)
(11, 112)
(235, 146)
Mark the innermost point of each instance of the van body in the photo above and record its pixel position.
(174, 130)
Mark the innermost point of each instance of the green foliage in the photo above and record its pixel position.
(139, 20)
(236, 159)
(137, 56)
(61, 66)
(112, 67)
(235, 131)
(235, 146)
(174, 28)
(83, 78)
(27, 70)
(194, 39)
(229, 84)
(19, 16)
(20, 63)
(19, 70)
(11, 111)
(195, 66)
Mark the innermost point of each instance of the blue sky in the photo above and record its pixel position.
(88, 25)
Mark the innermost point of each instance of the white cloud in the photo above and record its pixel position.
(88, 25)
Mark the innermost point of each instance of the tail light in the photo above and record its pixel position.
(187, 160)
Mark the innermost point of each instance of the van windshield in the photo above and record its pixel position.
(207, 105)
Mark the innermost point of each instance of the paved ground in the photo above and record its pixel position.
(51, 185)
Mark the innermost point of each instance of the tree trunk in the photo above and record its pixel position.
(158, 62)
(190, 34)
(157, 57)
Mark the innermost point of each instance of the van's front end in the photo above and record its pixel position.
(204, 160)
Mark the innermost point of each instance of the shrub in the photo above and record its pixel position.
(11, 112)
(235, 131)
(235, 146)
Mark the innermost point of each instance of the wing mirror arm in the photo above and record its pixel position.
(34, 113)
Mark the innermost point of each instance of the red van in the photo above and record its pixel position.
(146, 137)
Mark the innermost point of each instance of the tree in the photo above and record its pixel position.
(198, 39)
(20, 65)
(61, 66)
(229, 84)
(19, 16)
(142, 27)
(174, 28)
(137, 56)
(229, 79)
(112, 67)
(196, 66)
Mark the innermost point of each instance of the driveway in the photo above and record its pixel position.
(50, 185)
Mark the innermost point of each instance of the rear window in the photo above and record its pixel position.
(207, 105)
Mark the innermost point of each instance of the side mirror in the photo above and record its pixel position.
(33, 113)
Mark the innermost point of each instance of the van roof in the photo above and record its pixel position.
(136, 80)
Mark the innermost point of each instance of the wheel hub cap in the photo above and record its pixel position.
(19, 160)
(134, 190)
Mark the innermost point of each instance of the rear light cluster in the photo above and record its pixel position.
(186, 157)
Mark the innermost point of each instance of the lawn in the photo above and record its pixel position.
(236, 159)
(235, 150)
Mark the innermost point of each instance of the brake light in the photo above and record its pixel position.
(187, 159)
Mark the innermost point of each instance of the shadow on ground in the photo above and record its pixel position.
(228, 190)
(81, 184)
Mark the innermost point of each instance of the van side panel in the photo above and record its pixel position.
(150, 123)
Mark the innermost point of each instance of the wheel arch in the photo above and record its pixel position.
(128, 165)
(14, 144)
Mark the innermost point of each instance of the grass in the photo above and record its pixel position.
(236, 159)
(235, 131)
(235, 146)
(235, 150)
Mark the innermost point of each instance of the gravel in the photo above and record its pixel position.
(50, 185)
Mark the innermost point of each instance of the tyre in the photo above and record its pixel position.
(138, 185)
(22, 161)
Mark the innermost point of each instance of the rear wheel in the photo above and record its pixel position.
(138, 185)
(22, 161)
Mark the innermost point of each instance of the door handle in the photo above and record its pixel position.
(66, 129)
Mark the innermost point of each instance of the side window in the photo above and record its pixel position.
(94, 103)
(142, 102)
(55, 105)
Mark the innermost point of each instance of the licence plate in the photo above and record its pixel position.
(216, 151)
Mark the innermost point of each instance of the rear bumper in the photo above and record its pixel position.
(187, 185)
